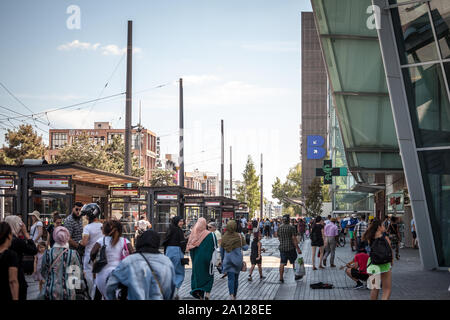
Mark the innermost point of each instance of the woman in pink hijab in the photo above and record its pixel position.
(201, 246)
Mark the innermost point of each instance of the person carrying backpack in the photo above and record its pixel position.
(380, 260)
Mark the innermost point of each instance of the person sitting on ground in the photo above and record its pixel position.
(357, 268)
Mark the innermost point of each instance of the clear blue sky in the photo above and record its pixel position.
(240, 61)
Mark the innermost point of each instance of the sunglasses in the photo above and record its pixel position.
(77, 209)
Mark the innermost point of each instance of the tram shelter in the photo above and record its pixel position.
(54, 187)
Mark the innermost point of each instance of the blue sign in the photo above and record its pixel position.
(314, 148)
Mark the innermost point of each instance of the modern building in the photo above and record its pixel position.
(388, 65)
(143, 145)
(314, 102)
(236, 185)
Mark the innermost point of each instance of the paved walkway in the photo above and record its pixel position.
(409, 280)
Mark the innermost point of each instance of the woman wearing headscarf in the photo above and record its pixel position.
(22, 245)
(232, 245)
(60, 264)
(144, 275)
(201, 246)
(174, 248)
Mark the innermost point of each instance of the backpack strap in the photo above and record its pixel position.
(153, 273)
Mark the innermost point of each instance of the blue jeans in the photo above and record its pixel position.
(233, 282)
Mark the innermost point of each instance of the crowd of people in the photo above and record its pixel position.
(96, 260)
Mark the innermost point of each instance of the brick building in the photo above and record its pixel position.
(103, 133)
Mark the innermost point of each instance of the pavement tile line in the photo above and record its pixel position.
(409, 280)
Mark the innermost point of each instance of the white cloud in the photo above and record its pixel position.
(110, 49)
(274, 46)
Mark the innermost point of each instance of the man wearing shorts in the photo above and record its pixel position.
(357, 268)
(287, 235)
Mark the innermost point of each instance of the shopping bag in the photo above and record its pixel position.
(299, 268)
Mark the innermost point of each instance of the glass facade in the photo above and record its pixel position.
(423, 41)
(355, 68)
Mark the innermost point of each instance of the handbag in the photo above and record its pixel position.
(154, 275)
(184, 261)
(244, 264)
(125, 252)
(215, 258)
(102, 260)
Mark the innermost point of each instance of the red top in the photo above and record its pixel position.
(362, 258)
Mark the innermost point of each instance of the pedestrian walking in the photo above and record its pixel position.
(395, 238)
(287, 235)
(91, 233)
(142, 225)
(357, 268)
(233, 243)
(302, 229)
(9, 265)
(74, 224)
(380, 260)
(317, 236)
(146, 274)
(174, 248)
(330, 232)
(275, 228)
(201, 246)
(360, 229)
(414, 234)
(117, 248)
(267, 228)
(255, 256)
(59, 265)
(37, 227)
(57, 222)
(22, 245)
(37, 276)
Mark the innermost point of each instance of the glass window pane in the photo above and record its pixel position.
(440, 10)
(429, 105)
(436, 178)
(415, 38)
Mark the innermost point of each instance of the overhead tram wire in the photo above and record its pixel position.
(18, 100)
(21, 116)
(106, 84)
(77, 104)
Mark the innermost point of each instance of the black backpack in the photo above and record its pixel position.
(102, 260)
(380, 251)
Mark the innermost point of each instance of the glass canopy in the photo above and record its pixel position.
(355, 68)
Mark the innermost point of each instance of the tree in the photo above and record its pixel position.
(22, 143)
(110, 157)
(249, 191)
(290, 189)
(162, 177)
(314, 199)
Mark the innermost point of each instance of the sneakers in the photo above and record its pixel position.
(282, 280)
(359, 285)
(332, 266)
(250, 278)
(298, 278)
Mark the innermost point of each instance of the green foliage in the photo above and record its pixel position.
(249, 191)
(22, 143)
(162, 177)
(110, 157)
(290, 189)
(314, 199)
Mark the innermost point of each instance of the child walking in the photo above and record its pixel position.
(37, 276)
(255, 255)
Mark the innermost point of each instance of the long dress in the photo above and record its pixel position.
(201, 280)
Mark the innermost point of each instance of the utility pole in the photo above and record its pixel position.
(231, 172)
(128, 112)
(181, 177)
(262, 187)
(222, 168)
(140, 135)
